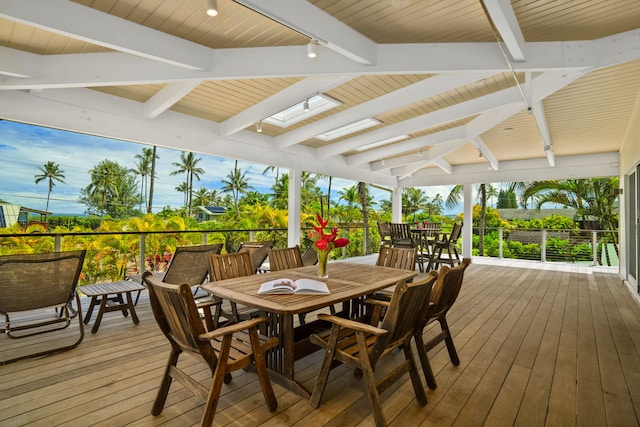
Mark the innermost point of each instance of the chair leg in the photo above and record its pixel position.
(370, 381)
(424, 361)
(415, 377)
(216, 383)
(261, 367)
(321, 382)
(163, 391)
(451, 348)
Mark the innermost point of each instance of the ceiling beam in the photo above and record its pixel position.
(506, 24)
(314, 23)
(102, 29)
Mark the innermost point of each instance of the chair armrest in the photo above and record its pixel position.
(352, 324)
(380, 302)
(200, 304)
(231, 329)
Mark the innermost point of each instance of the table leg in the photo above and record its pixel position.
(129, 305)
(103, 306)
(87, 317)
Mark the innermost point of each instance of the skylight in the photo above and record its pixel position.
(318, 103)
(383, 142)
(347, 129)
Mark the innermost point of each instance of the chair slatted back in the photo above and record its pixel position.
(400, 230)
(190, 264)
(228, 266)
(455, 233)
(447, 287)
(403, 315)
(400, 258)
(285, 258)
(310, 256)
(175, 311)
(433, 229)
(33, 281)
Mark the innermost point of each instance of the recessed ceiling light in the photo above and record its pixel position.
(316, 104)
(383, 142)
(347, 129)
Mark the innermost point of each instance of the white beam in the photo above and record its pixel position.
(541, 122)
(505, 22)
(92, 26)
(167, 97)
(314, 23)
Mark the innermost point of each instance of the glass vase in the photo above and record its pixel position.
(323, 256)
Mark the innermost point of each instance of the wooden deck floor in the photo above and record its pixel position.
(557, 347)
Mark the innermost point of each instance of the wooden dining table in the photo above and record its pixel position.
(347, 283)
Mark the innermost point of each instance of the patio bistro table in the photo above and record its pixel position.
(99, 294)
(347, 282)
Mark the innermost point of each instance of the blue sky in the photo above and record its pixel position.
(25, 148)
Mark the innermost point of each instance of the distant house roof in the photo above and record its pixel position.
(213, 210)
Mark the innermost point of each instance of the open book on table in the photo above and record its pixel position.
(288, 286)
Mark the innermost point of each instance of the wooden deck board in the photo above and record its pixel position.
(555, 346)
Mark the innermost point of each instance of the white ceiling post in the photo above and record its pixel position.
(295, 179)
(467, 228)
(396, 204)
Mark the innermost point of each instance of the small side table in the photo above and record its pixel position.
(99, 294)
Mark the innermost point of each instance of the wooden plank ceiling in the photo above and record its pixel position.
(543, 89)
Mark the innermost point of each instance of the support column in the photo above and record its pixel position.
(396, 204)
(467, 227)
(295, 180)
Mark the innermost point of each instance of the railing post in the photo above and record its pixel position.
(501, 231)
(143, 259)
(252, 236)
(594, 244)
(543, 246)
(204, 237)
(57, 240)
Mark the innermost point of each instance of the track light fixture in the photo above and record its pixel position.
(420, 153)
(305, 106)
(312, 49)
(259, 126)
(480, 153)
(212, 7)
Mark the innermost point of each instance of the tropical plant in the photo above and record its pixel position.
(52, 173)
(188, 165)
(413, 200)
(236, 184)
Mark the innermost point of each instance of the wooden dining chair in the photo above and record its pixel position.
(229, 266)
(385, 233)
(400, 258)
(224, 350)
(41, 281)
(363, 345)
(443, 296)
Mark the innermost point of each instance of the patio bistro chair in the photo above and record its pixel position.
(229, 266)
(385, 233)
(310, 256)
(444, 294)
(258, 252)
(224, 350)
(363, 345)
(446, 243)
(37, 281)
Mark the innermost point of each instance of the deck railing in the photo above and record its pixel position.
(112, 255)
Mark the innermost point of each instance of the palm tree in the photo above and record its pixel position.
(202, 197)
(236, 184)
(415, 199)
(363, 192)
(152, 179)
(142, 168)
(184, 189)
(188, 165)
(51, 172)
